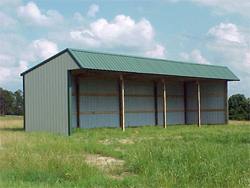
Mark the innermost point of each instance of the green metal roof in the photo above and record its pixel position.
(123, 63)
(132, 64)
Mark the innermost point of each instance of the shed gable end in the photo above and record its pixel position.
(46, 95)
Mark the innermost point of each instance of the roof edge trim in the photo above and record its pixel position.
(73, 57)
(45, 61)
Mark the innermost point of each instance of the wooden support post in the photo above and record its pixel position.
(185, 103)
(78, 104)
(156, 103)
(121, 96)
(164, 104)
(198, 104)
(226, 103)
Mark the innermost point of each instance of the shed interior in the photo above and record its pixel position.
(112, 99)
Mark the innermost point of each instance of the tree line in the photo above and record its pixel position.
(11, 103)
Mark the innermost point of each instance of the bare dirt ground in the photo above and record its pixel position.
(107, 164)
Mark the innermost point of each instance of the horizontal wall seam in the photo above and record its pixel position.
(207, 110)
(126, 95)
(130, 111)
(208, 95)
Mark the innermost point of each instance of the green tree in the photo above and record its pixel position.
(6, 102)
(18, 103)
(239, 107)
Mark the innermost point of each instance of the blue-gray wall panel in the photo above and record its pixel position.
(140, 88)
(100, 86)
(74, 121)
(99, 120)
(192, 103)
(192, 118)
(173, 118)
(212, 102)
(210, 88)
(213, 117)
(174, 88)
(175, 103)
(139, 119)
(139, 103)
(99, 103)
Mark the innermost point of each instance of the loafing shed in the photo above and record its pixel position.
(83, 89)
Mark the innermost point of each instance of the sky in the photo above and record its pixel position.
(215, 32)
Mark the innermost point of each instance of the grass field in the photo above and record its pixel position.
(149, 156)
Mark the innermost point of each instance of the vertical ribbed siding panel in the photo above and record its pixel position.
(191, 103)
(137, 105)
(99, 103)
(73, 103)
(212, 103)
(175, 103)
(46, 92)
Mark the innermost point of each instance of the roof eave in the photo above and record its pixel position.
(43, 62)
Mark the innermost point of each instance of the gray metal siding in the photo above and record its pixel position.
(212, 98)
(95, 100)
(46, 96)
(212, 103)
(139, 103)
(191, 93)
(73, 102)
(99, 120)
(175, 103)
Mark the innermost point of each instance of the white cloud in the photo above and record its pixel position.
(14, 62)
(78, 17)
(93, 9)
(7, 22)
(4, 72)
(195, 57)
(184, 56)
(43, 48)
(159, 52)
(243, 64)
(121, 31)
(228, 6)
(242, 85)
(10, 4)
(12, 74)
(32, 16)
(221, 7)
(227, 32)
(230, 46)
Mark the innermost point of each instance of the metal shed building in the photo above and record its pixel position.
(77, 88)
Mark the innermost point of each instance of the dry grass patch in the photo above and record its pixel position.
(235, 122)
(15, 122)
(126, 141)
(102, 162)
(112, 167)
(8, 125)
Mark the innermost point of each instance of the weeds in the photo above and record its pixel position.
(149, 156)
